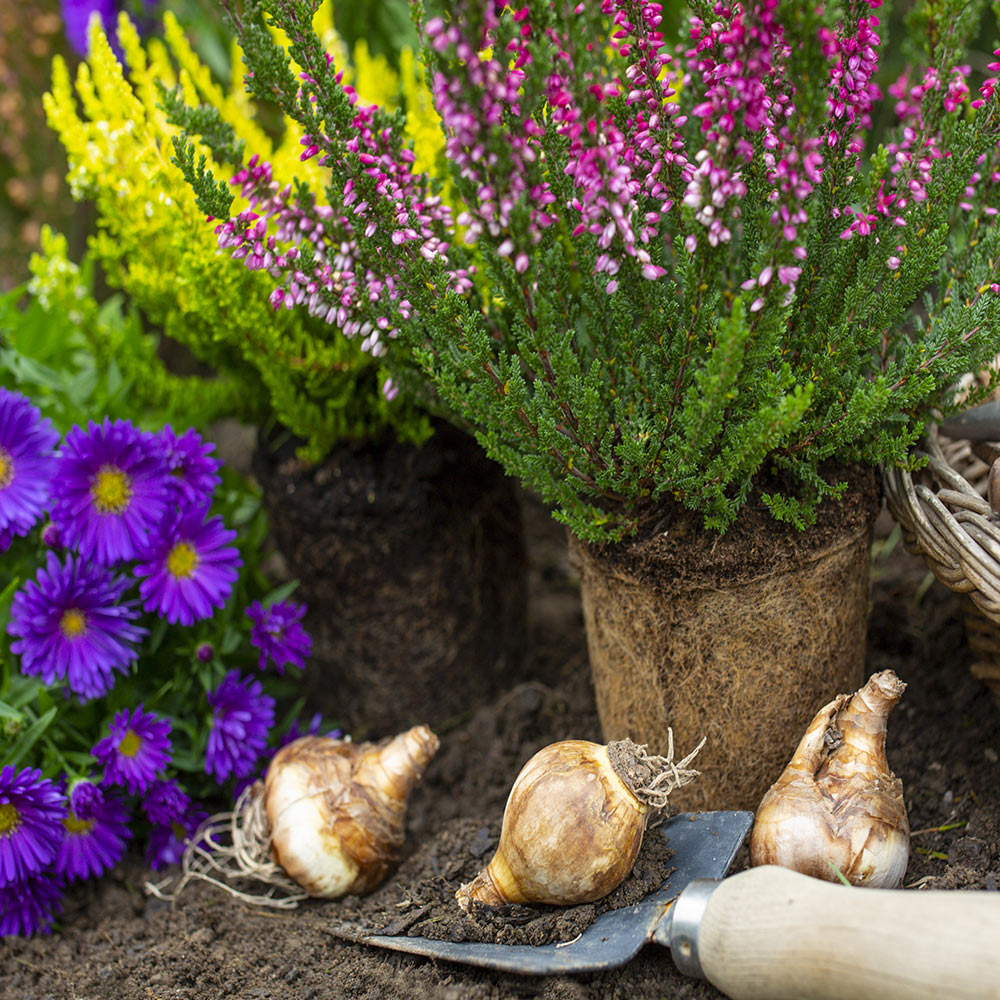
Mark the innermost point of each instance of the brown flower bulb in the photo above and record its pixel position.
(574, 822)
(837, 808)
(336, 810)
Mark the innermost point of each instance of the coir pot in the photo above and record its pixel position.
(735, 637)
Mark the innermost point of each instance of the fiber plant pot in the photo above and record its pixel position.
(737, 638)
(412, 563)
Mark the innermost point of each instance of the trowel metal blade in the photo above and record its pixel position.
(704, 846)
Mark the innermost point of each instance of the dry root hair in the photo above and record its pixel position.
(231, 847)
(663, 773)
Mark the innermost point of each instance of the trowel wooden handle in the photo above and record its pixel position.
(772, 933)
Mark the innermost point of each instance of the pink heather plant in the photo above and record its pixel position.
(674, 265)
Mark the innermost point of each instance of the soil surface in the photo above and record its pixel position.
(116, 942)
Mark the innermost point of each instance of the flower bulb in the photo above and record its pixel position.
(336, 809)
(837, 808)
(574, 823)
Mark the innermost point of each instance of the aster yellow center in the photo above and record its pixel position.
(73, 623)
(75, 825)
(6, 468)
(182, 561)
(111, 490)
(10, 819)
(130, 744)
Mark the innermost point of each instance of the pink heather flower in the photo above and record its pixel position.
(989, 85)
(852, 92)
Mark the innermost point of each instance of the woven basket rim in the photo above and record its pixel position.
(952, 527)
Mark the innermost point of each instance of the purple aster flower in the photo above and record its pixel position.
(242, 715)
(189, 567)
(31, 810)
(110, 490)
(52, 536)
(76, 19)
(139, 745)
(85, 799)
(194, 473)
(27, 462)
(92, 846)
(70, 623)
(166, 843)
(165, 801)
(278, 633)
(315, 725)
(27, 907)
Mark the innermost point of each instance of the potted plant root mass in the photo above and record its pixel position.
(411, 562)
(677, 287)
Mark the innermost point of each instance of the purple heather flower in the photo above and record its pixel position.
(166, 843)
(242, 715)
(165, 801)
(189, 567)
(139, 745)
(31, 809)
(27, 907)
(70, 623)
(278, 633)
(110, 490)
(27, 462)
(194, 473)
(85, 800)
(94, 845)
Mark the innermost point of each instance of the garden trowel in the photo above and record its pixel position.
(769, 933)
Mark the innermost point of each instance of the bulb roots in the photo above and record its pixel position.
(233, 846)
(650, 777)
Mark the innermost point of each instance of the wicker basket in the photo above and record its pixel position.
(945, 518)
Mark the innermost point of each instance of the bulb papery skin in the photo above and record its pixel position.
(571, 831)
(837, 807)
(337, 809)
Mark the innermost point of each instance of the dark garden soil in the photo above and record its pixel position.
(115, 942)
